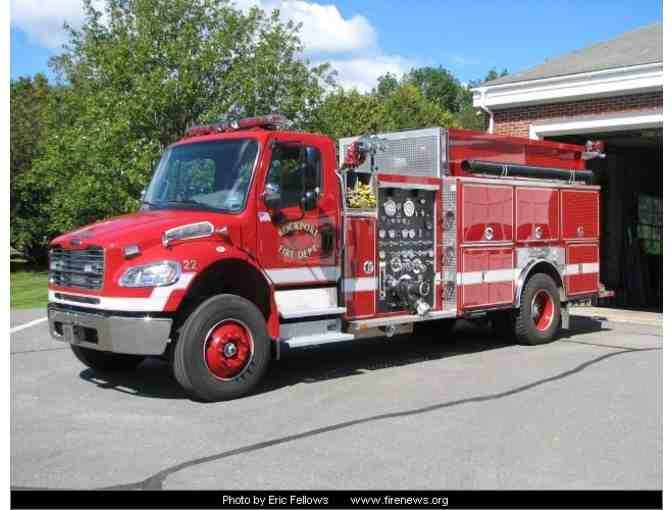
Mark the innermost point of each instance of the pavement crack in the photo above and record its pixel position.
(605, 346)
(156, 481)
(38, 350)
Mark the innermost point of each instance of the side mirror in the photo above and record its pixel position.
(309, 200)
(272, 197)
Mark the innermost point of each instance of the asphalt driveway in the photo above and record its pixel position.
(474, 412)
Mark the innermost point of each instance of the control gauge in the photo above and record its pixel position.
(390, 207)
(391, 234)
(381, 233)
(396, 265)
(409, 208)
(411, 233)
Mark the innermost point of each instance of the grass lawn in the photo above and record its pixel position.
(28, 288)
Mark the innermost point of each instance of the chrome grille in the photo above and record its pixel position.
(77, 268)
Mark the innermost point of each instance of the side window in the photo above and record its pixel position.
(287, 170)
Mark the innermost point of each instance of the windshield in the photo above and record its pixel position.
(207, 175)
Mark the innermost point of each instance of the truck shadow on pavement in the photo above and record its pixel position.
(153, 379)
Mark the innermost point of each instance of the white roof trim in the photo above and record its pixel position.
(597, 124)
(609, 82)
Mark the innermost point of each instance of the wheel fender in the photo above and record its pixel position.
(236, 254)
(549, 267)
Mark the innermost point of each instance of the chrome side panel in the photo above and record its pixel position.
(528, 264)
(448, 246)
(414, 152)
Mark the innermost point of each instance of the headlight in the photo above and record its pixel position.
(157, 274)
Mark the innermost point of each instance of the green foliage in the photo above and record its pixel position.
(31, 106)
(387, 84)
(438, 85)
(493, 74)
(83, 149)
(134, 83)
(349, 113)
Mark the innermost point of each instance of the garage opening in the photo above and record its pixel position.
(631, 251)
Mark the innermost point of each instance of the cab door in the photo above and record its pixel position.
(298, 214)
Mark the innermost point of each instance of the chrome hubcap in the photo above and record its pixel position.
(230, 350)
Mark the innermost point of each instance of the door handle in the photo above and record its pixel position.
(327, 240)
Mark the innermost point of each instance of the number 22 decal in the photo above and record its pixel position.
(189, 265)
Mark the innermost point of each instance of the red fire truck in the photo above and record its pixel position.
(247, 244)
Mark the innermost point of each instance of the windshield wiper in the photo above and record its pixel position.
(188, 204)
(147, 202)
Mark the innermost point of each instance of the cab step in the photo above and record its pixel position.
(318, 339)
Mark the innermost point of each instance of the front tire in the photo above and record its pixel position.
(538, 319)
(223, 349)
(101, 361)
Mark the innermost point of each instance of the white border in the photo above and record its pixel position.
(573, 87)
(593, 124)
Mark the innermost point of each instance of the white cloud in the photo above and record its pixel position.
(349, 44)
(324, 30)
(43, 20)
(362, 72)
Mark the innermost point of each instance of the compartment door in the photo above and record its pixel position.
(487, 213)
(360, 282)
(582, 269)
(537, 211)
(580, 214)
(487, 277)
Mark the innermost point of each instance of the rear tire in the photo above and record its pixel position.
(223, 349)
(101, 361)
(538, 319)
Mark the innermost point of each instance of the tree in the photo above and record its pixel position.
(134, 83)
(31, 101)
(439, 86)
(493, 74)
(436, 84)
(349, 113)
(408, 108)
(387, 84)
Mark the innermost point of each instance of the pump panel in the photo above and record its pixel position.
(406, 249)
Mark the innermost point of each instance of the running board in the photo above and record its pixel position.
(317, 312)
(323, 338)
(379, 322)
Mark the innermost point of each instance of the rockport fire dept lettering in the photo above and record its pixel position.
(293, 252)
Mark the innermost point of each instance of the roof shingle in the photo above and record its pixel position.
(641, 46)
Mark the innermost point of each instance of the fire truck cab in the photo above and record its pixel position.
(251, 241)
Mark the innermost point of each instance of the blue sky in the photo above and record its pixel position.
(363, 39)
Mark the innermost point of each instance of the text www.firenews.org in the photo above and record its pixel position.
(400, 501)
(357, 501)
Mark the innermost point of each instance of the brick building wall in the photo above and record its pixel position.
(516, 121)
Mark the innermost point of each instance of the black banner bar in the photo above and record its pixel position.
(336, 499)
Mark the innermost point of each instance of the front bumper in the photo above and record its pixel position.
(128, 335)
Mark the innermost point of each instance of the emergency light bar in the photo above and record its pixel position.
(272, 121)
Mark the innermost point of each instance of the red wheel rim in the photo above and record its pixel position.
(543, 310)
(228, 349)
